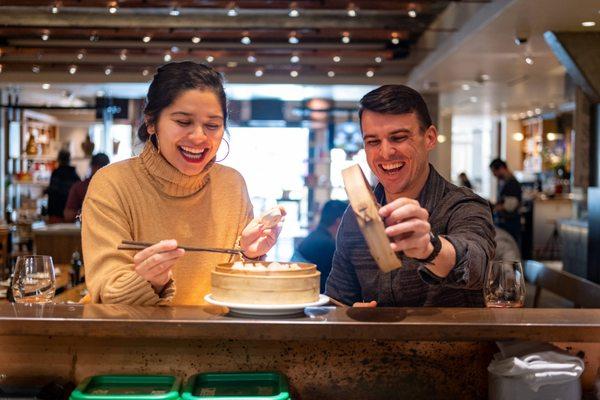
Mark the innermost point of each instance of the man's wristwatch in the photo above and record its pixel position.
(437, 247)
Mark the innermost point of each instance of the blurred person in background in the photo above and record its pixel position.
(61, 180)
(506, 210)
(79, 189)
(319, 245)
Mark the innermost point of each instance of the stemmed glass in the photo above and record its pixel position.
(504, 285)
(33, 279)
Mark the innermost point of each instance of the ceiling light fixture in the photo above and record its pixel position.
(293, 39)
(45, 86)
(147, 39)
(174, 12)
(108, 70)
(346, 37)
(232, 9)
(196, 39)
(258, 73)
(518, 136)
(113, 7)
(294, 12)
(352, 10)
(72, 69)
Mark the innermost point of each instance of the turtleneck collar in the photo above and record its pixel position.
(168, 179)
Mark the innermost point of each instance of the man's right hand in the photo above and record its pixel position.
(155, 262)
(371, 304)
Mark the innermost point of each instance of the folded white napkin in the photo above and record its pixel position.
(539, 368)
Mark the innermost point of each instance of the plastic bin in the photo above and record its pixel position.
(237, 386)
(128, 387)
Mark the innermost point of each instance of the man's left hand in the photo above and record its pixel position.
(408, 226)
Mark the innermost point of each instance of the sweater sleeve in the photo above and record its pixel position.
(109, 273)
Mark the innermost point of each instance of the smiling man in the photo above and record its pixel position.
(443, 234)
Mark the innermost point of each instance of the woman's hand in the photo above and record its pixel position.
(258, 238)
(155, 262)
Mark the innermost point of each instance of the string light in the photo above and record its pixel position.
(346, 37)
(174, 12)
(72, 69)
(294, 74)
(45, 86)
(395, 38)
(294, 59)
(123, 55)
(251, 58)
(232, 9)
(370, 73)
(293, 39)
(35, 69)
(167, 57)
(145, 72)
(331, 74)
(196, 40)
(45, 35)
(337, 59)
(147, 39)
(113, 7)
(258, 73)
(294, 12)
(352, 10)
(210, 59)
(378, 60)
(108, 70)
(81, 54)
(246, 39)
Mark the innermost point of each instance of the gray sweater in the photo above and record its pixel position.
(457, 214)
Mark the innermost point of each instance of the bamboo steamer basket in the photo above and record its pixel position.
(266, 287)
(365, 208)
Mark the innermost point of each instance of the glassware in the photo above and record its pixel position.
(34, 279)
(504, 284)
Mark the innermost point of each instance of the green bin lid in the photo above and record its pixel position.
(237, 386)
(128, 387)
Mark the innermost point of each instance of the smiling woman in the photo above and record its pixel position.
(174, 191)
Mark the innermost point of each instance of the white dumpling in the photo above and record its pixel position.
(271, 218)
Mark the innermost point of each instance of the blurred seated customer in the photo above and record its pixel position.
(506, 247)
(506, 210)
(78, 190)
(61, 180)
(464, 180)
(319, 245)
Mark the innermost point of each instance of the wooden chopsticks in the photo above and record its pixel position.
(337, 303)
(132, 245)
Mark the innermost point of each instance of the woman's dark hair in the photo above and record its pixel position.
(396, 99)
(64, 157)
(173, 79)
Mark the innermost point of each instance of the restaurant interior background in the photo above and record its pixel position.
(515, 79)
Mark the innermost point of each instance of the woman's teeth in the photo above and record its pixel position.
(392, 167)
(192, 152)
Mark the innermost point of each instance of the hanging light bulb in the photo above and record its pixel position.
(108, 70)
(72, 69)
(54, 9)
(412, 13)
(395, 38)
(258, 73)
(174, 12)
(113, 7)
(81, 54)
(251, 58)
(35, 69)
(378, 60)
(196, 39)
(370, 73)
(352, 10)
(147, 39)
(331, 74)
(294, 59)
(294, 12)
(123, 55)
(45, 86)
(245, 38)
(337, 59)
(232, 9)
(210, 59)
(145, 71)
(167, 57)
(294, 74)
(346, 37)
(45, 35)
(529, 60)
(293, 39)
(94, 37)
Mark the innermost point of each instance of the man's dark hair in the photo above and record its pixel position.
(498, 163)
(99, 160)
(64, 157)
(396, 99)
(332, 210)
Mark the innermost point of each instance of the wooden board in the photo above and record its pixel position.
(365, 207)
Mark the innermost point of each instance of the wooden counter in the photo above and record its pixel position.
(327, 353)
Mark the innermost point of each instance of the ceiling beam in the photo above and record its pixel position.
(203, 19)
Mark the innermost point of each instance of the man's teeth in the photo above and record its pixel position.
(192, 151)
(391, 166)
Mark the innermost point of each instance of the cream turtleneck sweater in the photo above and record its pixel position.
(146, 199)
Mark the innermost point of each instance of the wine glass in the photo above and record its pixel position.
(504, 285)
(33, 279)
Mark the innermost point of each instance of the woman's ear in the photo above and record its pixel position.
(149, 126)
